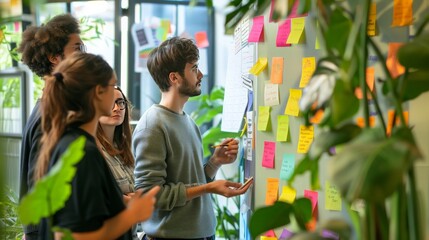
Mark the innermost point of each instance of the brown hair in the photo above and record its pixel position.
(171, 56)
(121, 137)
(39, 43)
(68, 100)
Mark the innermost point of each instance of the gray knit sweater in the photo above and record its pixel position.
(168, 152)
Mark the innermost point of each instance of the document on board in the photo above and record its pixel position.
(235, 101)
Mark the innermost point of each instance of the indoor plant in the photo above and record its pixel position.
(374, 165)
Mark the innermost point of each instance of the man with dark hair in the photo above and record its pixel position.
(42, 49)
(168, 150)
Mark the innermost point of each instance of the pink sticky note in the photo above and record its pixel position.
(283, 33)
(270, 233)
(313, 196)
(269, 153)
(257, 32)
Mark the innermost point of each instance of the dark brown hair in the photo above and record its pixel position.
(39, 43)
(171, 56)
(68, 100)
(121, 137)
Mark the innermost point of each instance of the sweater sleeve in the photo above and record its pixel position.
(150, 151)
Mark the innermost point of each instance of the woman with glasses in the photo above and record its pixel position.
(114, 141)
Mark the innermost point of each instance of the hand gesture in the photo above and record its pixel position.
(227, 188)
(226, 152)
(142, 205)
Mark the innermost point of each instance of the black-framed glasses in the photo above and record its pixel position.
(122, 104)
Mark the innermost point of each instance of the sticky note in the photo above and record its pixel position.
(269, 154)
(259, 66)
(283, 33)
(308, 67)
(263, 117)
(332, 197)
(272, 191)
(313, 196)
(257, 32)
(317, 117)
(360, 121)
(288, 194)
(271, 94)
(270, 233)
(294, 10)
(268, 238)
(286, 234)
(372, 19)
(305, 138)
(282, 128)
(277, 70)
(402, 13)
(395, 68)
(370, 79)
(288, 165)
(390, 116)
(292, 106)
(201, 39)
(297, 34)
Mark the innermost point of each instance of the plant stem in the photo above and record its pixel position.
(413, 213)
(370, 223)
(378, 109)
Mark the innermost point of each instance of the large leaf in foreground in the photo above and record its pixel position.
(52, 191)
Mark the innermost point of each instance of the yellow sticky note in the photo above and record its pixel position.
(268, 238)
(259, 66)
(297, 33)
(372, 19)
(277, 70)
(317, 44)
(288, 194)
(292, 106)
(332, 197)
(306, 135)
(272, 191)
(263, 117)
(308, 67)
(282, 128)
(402, 13)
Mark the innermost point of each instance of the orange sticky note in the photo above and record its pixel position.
(272, 191)
(360, 121)
(370, 79)
(292, 106)
(395, 68)
(308, 67)
(201, 39)
(390, 115)
(257, 32)
(317, 118)
(402, 13)
(277, 70)
(306, 136)
(372, 20)
(269, 154)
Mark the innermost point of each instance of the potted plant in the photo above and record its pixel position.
(376, 163)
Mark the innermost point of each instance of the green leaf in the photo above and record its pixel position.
(213, 135)
(415, 54)
(303, 211)
(416, 83)
(372, 169)
(307, 165)
(52, 191)
(338, 31)
(270, 217)
(208, 116)
(344, 104)
(333, 137)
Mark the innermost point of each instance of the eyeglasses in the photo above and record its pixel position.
(82, 48)
(122, 104)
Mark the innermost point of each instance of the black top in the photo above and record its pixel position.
(95, 195)
(29, 152)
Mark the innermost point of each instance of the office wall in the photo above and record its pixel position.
(419, 116)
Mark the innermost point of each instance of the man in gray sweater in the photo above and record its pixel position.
(168, 150)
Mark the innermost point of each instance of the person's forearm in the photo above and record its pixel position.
(196, 191)
(111, 229)
(211, 169)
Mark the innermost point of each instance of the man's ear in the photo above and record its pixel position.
(173, 77)
(55, 59)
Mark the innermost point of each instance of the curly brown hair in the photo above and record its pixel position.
(39, 43)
